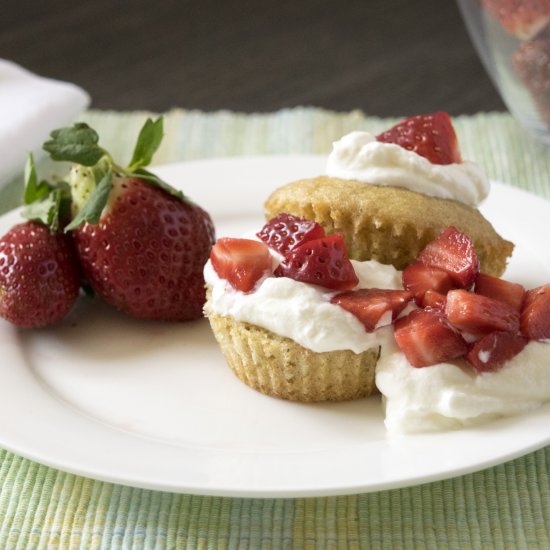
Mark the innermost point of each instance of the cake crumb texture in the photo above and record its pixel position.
(279, 367)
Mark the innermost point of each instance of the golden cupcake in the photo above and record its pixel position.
(391, 195)
(280, 322)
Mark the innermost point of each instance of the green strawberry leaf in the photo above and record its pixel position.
(154, 180)
(33, 190)
(91, 212)
(79, 144)
(148, 142)
(44, 202)
(49, 209)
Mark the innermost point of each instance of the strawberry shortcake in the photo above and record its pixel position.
(271, 305)
(445, 344)
(391, 194)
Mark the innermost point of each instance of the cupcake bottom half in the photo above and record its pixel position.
(387, 224)
(279, 367)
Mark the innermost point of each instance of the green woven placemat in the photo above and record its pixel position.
(503, 507)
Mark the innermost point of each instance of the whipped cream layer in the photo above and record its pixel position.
(441, 397)
(359, 156)
(303, 312)
(452, 395)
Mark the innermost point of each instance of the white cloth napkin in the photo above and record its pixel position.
(30, 108)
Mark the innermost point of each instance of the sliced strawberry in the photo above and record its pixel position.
(374, 307)
(478, 314)
(494, 349)
(285, 232)
(434, 299)
(426, 338)
(535, 315)
(499, 289)
(522, 18)
(242, 262)
(419, 278)
(431, 136)
(322, 262)
(453, 252)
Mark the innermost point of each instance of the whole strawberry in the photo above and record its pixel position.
(39, 275)
(142, 244)
(146, 254)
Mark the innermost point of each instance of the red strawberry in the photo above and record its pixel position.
(426, 338)
(535, 315)
(431, 136)
(285, 232)
(453, 252)
(142, 244)
(147, 253)
(372, 306)
(499, 289)
(434, 299)
(532, 63)
(322, 262)
(39, 275)
(522, 18)
(242, 262)
(494, 349)
(419, 278)
(476, 314)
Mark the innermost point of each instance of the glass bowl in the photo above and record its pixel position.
(512, 38)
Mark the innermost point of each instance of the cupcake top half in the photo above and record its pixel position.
(391, 194)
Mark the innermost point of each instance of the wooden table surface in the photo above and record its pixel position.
(388, 58)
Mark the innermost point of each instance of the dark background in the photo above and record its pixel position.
(388, 58)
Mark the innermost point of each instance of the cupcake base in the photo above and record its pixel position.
(279, 367)
(387, 224)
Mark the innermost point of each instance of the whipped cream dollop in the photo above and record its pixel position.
(451, 395)
(303, 312)
(359, 156)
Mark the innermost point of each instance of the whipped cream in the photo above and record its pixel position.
(440, 397)
(359, 156)
(303, 312)
(451, 395)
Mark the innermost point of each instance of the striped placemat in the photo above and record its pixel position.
(507, 506)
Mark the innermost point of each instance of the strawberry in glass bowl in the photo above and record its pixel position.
(512, 38)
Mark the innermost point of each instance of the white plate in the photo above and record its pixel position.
(153, 405)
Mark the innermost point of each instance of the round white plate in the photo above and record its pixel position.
(154, 405)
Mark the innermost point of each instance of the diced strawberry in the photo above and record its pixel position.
(522, 18)
(285, 232)
(434, 299)
(242, 262)
(499, 289)
(535, 315)
(322, 262)
(477, 314)
(419, 278)
(374, 307)
(426, 338)
(453, 252)
(494, 349)
(431, 136)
